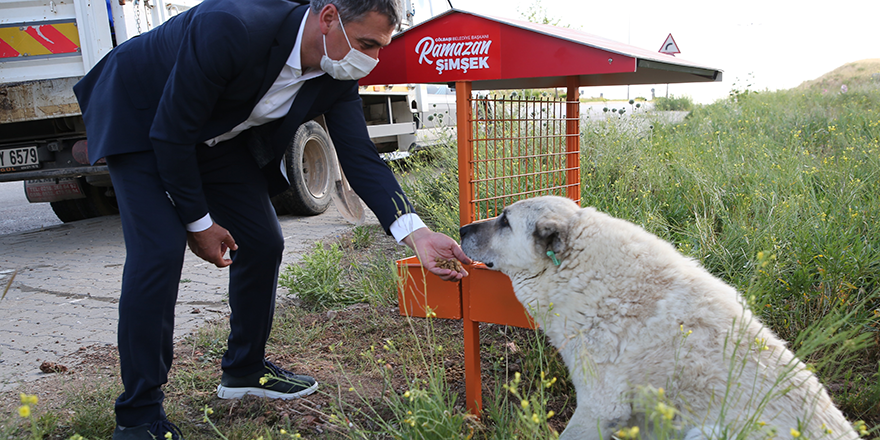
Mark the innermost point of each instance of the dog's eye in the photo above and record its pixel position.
(502, 221)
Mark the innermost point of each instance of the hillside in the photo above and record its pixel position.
(857, 73)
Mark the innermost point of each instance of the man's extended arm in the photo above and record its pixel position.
(374, 182)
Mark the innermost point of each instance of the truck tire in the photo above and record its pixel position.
(96, 204)
(309, 163)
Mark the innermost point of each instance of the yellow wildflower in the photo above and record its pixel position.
(665, 410)
(795, 433)
(24, 411)
(263, 380)
(628, 433)
(525, 404)
(169, 436)
(28, 399)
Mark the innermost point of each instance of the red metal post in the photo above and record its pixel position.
(465, 151)
(573, 139)
(472, 373)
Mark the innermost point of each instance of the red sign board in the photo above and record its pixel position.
(465, 47)
(451, 48)
(456, 52)
(503, 53)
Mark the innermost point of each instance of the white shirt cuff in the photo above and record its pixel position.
(200, 224)
(405, 225)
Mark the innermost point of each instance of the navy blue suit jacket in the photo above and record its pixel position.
(199, 75)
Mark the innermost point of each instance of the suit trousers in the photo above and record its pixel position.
(155, 241)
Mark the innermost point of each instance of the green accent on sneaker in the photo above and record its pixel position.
(272, 382)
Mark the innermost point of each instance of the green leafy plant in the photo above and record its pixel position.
(318, 279)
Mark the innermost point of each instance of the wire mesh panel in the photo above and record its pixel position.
(520, 148)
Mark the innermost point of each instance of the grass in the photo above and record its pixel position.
(788, 176)
(776, 193)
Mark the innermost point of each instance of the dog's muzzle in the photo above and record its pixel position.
(469, 241)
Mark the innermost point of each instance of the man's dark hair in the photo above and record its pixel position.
(355, 10)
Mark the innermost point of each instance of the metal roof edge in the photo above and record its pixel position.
(715, 74)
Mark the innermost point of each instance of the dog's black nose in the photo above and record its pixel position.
(463, 231)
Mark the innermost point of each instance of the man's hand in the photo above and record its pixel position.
(433, 248)
(211, 244)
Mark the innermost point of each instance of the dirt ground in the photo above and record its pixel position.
(330, 345)
(338, 369)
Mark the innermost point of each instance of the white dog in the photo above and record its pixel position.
(626, 310)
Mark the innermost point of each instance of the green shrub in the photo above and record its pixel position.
(682, 103)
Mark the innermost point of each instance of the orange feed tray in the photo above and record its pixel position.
(483, 296)
(492, 299)
(421, 290)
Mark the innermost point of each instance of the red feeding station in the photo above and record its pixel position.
(509, 148)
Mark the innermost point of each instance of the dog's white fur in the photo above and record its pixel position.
(625, 309)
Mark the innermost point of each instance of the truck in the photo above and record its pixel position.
(46, 46)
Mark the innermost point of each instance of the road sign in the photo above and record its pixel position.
(669, 46)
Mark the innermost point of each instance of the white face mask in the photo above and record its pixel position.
(355, 65)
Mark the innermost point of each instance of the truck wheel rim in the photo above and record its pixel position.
(315, 173)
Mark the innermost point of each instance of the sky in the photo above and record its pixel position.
(767, 44)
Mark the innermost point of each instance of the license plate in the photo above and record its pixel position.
(17, 159)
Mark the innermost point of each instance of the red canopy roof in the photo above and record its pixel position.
(500, 53)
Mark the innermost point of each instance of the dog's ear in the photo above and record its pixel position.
(550, 234)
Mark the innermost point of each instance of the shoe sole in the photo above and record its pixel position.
(238, 393)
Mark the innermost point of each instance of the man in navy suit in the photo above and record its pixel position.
(193, 119)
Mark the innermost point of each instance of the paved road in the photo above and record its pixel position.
(65, 292)
(17, 214)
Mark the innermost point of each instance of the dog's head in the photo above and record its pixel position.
(518, 240)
